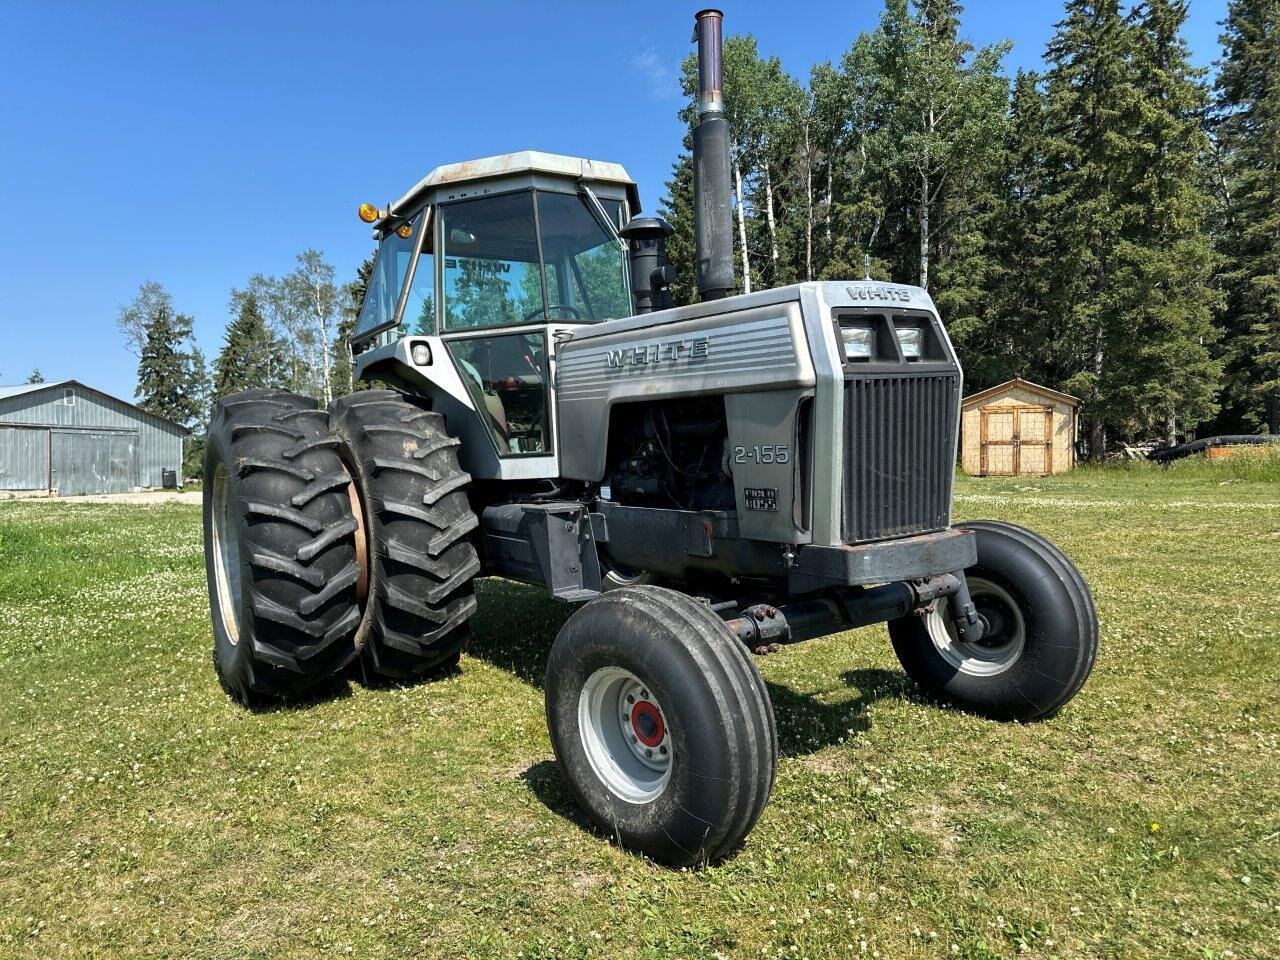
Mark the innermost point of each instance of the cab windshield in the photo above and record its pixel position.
(530, 257)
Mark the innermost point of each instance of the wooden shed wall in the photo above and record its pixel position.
(1018, 396)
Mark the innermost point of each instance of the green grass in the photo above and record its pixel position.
(142, 814)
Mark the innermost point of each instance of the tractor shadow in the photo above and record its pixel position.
(805, 725)
(516, 625)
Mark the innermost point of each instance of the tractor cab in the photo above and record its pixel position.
(485, 260)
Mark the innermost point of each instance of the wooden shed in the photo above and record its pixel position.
(1018, 428)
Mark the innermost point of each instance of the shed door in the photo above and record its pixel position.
(1035, 441)
(94, 462)
(24, 459)
(999, 447)
(1017, 441)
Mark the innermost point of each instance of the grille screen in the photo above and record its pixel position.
(898, 436)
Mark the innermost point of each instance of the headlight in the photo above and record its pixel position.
(420, 353)
(858, 342)
(911, 339)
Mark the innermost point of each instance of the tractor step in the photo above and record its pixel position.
(550, 543)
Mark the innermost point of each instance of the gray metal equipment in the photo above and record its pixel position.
(710, 481)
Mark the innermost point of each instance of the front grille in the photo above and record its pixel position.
(898, 455)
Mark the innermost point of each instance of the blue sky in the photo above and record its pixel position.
(198, 143)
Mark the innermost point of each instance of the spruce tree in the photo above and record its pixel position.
(1011, 336)
(1246, 125)
(168, 383)
(1089, 103)
(36, 376)
(1127, 305)
(200, 390)
(343, 362)
(248, 357)
(677, 209)
(1162, 379)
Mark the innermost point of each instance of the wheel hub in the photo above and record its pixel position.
(1003, 638)
(647, 723)
(625, 734)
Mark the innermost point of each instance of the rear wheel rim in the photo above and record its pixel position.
(625, 735)
(1002, 642)
(226, 555)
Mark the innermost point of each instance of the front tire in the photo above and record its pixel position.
(661, 724)
(279, 548)
(1041, 639)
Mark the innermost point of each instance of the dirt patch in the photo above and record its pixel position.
(145, 498)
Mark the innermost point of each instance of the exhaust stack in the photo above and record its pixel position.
(713, 217)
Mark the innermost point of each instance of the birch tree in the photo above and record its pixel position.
(316, 297)
(303, 308)
(946, 113)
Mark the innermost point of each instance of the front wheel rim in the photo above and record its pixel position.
(1003, 640)
(625, 735)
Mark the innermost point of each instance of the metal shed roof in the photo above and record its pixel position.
(21, 389)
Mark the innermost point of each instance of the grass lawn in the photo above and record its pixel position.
(142, 814)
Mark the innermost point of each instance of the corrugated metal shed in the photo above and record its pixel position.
(71, 438)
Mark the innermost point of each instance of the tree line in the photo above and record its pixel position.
(1108, 226)
(290, 332)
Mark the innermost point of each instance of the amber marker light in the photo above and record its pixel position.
(404, 231)
(368, 212)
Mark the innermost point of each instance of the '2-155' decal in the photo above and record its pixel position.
(766, 453)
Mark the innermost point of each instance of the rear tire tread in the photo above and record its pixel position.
(291, 518)
(417, 516)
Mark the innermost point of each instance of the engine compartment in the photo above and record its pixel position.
(670, 453)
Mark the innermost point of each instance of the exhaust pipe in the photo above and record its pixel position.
(713, 217)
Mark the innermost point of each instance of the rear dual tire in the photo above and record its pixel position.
(280, 552)
(332, 535)
(418, 524)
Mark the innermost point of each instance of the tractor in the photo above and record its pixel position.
(705, 481)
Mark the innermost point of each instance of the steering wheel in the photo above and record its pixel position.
(577, 314)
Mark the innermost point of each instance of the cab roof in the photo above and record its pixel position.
(508, 164)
